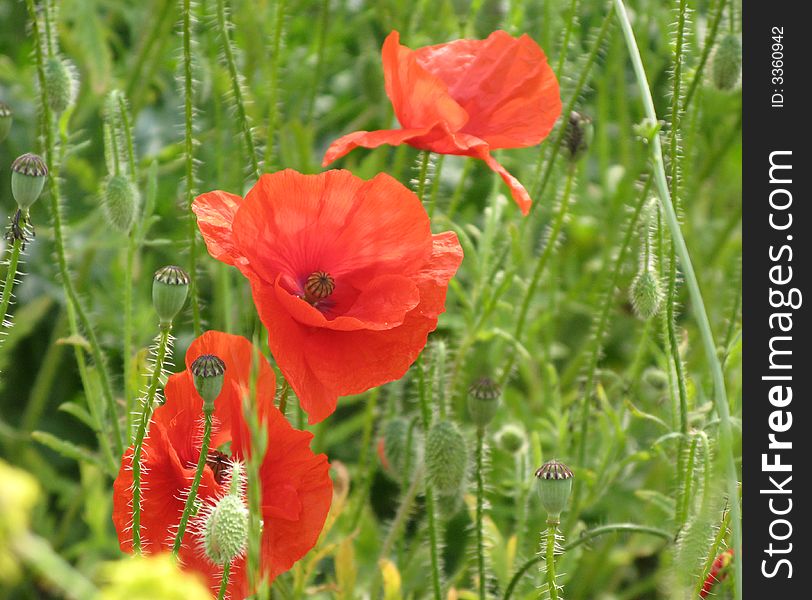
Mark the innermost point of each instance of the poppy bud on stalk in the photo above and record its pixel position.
(578, 135)
(5, 121)
(399, 453)
(726, 68)
(60, 83)
(226, 530)
(555, 485)
(646, 294)
(28, 174)
(511, 438)
(208, 371)
(120, 201)
(169, 290)
(483, 400)
(446, 457)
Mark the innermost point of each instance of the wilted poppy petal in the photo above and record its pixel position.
(215, 214)
(517, 190)
(370, 139)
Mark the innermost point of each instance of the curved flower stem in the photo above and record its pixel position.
(720, 394)
(555, 230)
(138, 446)
(587, 536)
(480, 511)
(8, 288)
(425, 411)
(208, 417)
(224, 582)
(549, 559)
(562, 54)
(74, 305)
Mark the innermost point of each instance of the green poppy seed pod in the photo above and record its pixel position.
(483, 400)
(120, 201)
(726, 68)
(169, 289)
(60, 83)
(399, 453)
(225, 532)
(555, 485)
(578, 135)
(446, 457)
(5, 121)
(511, 438)
(28, 174)
(646, 294)
(208, 372)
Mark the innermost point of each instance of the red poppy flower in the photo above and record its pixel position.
(466, 97)
(296, 486)
(345, 274)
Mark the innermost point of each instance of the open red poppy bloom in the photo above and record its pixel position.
(345, 273)
(466, 97)
(296, 486)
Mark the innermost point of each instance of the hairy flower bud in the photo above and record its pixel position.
(120, 200)
(555, 485)
(5, 120)
(646, 294)
(208, 371)
(61, 83)
(483, 400)
(169, 290)
(399, 448)
(726, 68)
(446, 457)
(578, 135)
(28, 174)
(225, 532)
(511, 438)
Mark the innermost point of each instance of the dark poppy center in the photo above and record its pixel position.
(318, 286)
(219, 463)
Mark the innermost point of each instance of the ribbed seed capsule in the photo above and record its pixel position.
(446, 457)
(483, 401)
(5, 120)
(208, 372)
(120, 202)
(60, 83)
(727, 63)
(226, 530)
(169, 290)
(555, 485)
(319, 285)
(28, 174)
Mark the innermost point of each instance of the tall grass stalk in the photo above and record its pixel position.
(720, 395)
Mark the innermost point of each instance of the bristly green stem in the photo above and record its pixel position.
(585, 537)
(59, 244)
(188, 151)
(565, 43)
(480, 513)
(236, 88)
(549, 559)
(208, 418)
(706, 51)
(720, 394)
(11, 275)
(555, 230)
(224, 582)
(273, 88)
(138, 444)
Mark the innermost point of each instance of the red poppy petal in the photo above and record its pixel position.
(433, 280)
(370, 139)
(215, 214)
(383, 304)
(504, 83)
(517, 190)
(419, 98)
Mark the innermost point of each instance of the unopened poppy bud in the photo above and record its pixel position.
(120, 201)
(5, 121)
(646, 294)
(225, 532)
(446, 457)
(169, 289)
(208, 372)
(60, 83)
(578, 135)
(727, 63)
(511, 438)
(655, 378)
(483, 400)
(399, 451)
(555, 485)
(28, 174)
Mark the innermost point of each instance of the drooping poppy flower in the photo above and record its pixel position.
(296, 486)
(466, 97)
(345, 273)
